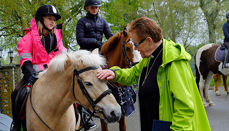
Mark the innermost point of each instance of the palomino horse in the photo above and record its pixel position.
(206, 66)
(119, 51)
(70, 78)
(217, 81)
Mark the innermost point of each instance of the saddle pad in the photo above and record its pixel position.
(220, 54)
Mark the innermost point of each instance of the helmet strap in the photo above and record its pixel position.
(42, 22)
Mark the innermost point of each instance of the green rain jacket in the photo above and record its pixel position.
(180, 102)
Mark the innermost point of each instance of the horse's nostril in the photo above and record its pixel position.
(113, 114)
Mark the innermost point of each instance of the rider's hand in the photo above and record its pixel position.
(32, 79)
(106, 74)
(99, 44)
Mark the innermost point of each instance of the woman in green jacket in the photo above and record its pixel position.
(167, 88)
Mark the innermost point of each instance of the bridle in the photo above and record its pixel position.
(84, 91)
(129, 62)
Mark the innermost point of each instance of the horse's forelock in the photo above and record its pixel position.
(88, 58)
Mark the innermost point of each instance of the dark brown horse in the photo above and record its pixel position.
(206, 66)
(119, 51)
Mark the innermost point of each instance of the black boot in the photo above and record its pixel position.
(16, 123)
(85, 115)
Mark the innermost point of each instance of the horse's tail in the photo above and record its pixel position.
(197, 74)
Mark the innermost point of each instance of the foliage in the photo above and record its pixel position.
(15, 15)
(211, 10)
(120, 12)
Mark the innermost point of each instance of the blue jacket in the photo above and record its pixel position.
(226, 31)
(90, 29)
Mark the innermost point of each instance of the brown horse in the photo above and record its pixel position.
(70, 78)
(119, 51)
(206, 66)
(217, 81)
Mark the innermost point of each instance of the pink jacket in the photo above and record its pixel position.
(30, 48)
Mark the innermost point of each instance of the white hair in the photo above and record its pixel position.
(88, 58)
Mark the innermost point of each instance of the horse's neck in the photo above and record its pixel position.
(115, 58)
(52, 95)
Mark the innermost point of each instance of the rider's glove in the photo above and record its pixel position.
(99, 44)
(32, 79)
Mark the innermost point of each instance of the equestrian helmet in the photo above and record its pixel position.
(227, 15)
(92, 3)
(47, 10)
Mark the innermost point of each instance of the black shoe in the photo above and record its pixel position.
(15, 126)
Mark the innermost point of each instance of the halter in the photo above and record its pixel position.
(83, 89)
(130, 64)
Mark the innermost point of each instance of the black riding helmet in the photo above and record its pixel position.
(46, 10)
(92, 3)
(227, 15)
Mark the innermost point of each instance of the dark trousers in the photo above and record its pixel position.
(226, 44)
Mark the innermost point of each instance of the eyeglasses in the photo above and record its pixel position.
(137, 44)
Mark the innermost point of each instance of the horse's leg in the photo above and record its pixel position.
(207, 84)
(201, 89)
(122, 124)
(216, 79)
(225, 84)
(103, 125)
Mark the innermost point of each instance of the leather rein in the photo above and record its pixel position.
(84, 91)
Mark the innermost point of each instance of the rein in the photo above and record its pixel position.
(83, 89)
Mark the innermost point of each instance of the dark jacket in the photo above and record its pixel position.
(226, 31)
(90, 30)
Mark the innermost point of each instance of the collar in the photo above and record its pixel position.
(92, 16)
(157, 50)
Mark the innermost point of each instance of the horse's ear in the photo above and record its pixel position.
(95, 51)
(67, 62)
(125, 31)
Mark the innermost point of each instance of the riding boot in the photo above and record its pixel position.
(16, 123)
(85, 115)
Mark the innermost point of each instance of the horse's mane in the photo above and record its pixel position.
(110, 43)
(85, 57)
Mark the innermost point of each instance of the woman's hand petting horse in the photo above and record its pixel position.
(107, 73)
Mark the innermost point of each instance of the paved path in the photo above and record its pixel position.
(218, 115)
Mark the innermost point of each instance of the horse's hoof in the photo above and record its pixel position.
(205, 105)
(211, 104)
(217, 93)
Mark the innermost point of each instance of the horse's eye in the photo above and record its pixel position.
(127, 49)
(88, 83)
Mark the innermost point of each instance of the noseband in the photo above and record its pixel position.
(83, 89)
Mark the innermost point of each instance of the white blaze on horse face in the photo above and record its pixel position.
(137, 56)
